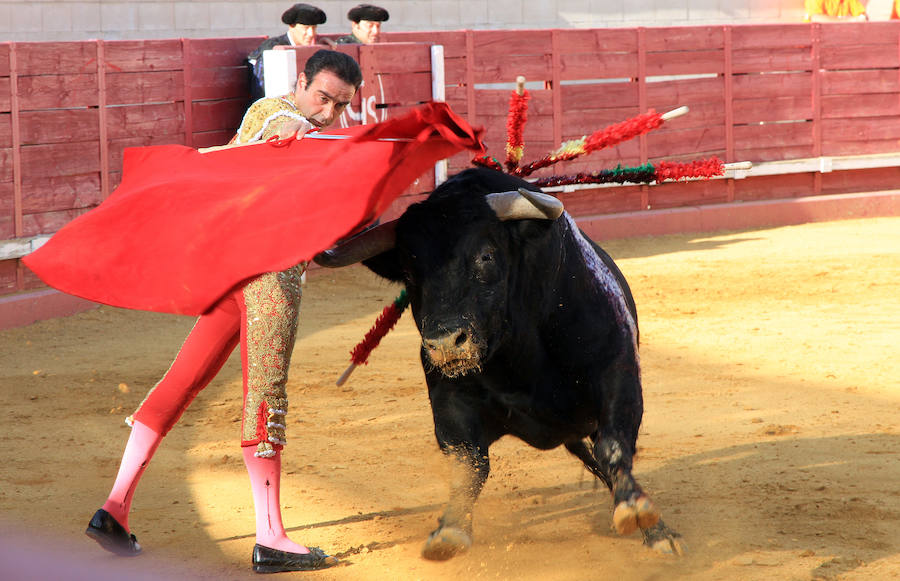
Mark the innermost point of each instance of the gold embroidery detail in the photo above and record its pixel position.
(273, 304)
(265, 117)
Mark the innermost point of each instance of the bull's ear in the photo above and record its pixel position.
(524, 205)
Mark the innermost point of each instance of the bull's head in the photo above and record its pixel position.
(460, 253)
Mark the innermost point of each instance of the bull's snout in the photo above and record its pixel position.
(454, 353)
(449, 342)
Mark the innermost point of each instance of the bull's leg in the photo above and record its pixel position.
(634, 509)
(464, 438)
(611, 462)
(454, 533)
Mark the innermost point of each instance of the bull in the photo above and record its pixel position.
(528, 328)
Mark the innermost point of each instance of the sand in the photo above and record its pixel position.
(770, 438)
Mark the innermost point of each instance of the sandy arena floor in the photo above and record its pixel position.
(771, 436)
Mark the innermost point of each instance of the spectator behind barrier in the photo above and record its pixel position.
(302, 20)
(365, 24)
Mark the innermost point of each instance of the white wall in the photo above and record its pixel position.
(43, 20)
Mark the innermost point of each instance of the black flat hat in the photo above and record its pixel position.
(368, 12)
(303, 14)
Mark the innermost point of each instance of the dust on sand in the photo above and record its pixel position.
(770, 438)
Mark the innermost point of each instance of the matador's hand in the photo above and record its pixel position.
(295, 128)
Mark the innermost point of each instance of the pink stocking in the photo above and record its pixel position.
(142, 443)
(265, 481)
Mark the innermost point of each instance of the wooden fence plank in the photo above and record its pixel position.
(688, 92)
(136, 120)
(600, 40)
(56, 58)
(599, 95)
(771, 36)
(214, 115)
(850, 57)
(695, 140)
(595, 201)
(685, 38)
(5, 101)
(768, 85)
(5, 130)
(54, 193)
(597, 66)
(835, 36)
(4, 59)
(223, 52)
(48, 222)
(685, 62)
(220, 82)
(6, 165)
(58, 126)
(680, 194)
(128, 56)
(454, 42)
(773, 187)
(873, 105)
(8, 273)
(494, 67)
(772, 109)
(860, 81)
(57, 91)
(836, 130)
(841, 182)
(61, 159)
(402, 58)
(757, 60)
(144, 87)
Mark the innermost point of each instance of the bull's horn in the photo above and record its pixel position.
(364, 245)
(524, 204)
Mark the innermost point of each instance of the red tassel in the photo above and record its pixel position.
(515, 123)
(384, 323)
(703, 168)
(615, 134)
(601, 139)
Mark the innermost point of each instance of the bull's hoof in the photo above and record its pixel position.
(446, 543)
(635, 513)
(664, 540)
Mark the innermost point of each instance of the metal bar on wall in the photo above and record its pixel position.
(470, 77)
(102, 119)
(557, 88)
(816, 32)
(439, 94)
(187, 65)
(642, 105)
(18, 226)
(728, 79)
(16, 140)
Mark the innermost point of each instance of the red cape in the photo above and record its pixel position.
(183, 228)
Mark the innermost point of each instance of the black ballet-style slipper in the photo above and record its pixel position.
(266, 560)
(112, 536)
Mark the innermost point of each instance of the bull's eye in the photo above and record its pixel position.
(487, 257)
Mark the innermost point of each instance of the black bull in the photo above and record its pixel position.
(528, 328)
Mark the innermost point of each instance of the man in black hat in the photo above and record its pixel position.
(365, 24)
(302, 20)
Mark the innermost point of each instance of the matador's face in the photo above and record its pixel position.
(324, 99)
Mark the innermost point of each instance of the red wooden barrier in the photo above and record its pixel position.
(758, 93)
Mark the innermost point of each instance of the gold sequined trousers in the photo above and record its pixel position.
(262, 316)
